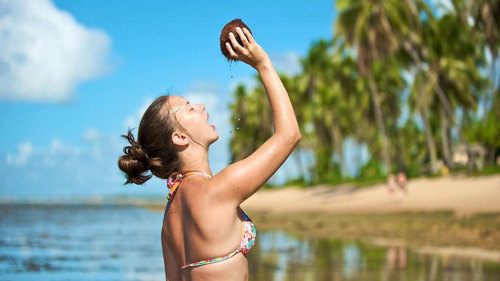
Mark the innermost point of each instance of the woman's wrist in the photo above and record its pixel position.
(264, 64)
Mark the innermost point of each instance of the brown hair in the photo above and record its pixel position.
(154, 149)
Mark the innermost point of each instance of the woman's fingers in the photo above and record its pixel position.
(243, 38)
(235, 43)
(230, 50)
(248, 35)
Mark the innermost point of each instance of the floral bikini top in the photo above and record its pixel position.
(248, 232)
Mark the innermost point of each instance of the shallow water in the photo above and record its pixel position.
(123, 243)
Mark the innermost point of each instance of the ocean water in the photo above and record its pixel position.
(82, 242)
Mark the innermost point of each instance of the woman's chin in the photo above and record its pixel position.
(214, 138)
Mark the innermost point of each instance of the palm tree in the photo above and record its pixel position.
(369, 26)
(332, 104)
(318, 116)
(444, 57)
(296, 88)
(420, 101)
(251, 121)
(389, 77)
(485, 15)
(452, 74)
(414, 53)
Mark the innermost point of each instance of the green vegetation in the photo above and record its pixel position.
(416, 90)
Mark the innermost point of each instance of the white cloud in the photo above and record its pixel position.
(25, 150)
(88, 167)
(288, 63)
(203, 86)
(45, 52)
(133, 121)
(58, 147)
(248, 82)
(91, 135)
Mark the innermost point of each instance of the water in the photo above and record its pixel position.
(123, 243)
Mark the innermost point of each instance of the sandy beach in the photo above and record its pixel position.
(460, 194)
(449, 216)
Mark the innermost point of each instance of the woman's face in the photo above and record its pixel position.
(194, 119)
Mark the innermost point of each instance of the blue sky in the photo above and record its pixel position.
(80, 72)
(74, 75)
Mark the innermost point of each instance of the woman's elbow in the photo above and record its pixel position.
(294, 138)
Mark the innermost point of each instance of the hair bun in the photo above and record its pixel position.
(135, 162)
(137, 153)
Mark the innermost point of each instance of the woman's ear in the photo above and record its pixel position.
(179, 138)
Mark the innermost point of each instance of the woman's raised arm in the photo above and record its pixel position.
(240, 180)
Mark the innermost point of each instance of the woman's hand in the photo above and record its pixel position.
(250, 53)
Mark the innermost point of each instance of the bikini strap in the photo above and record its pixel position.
(213, 260)
(175, 179)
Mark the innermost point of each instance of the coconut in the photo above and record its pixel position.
(224, 36)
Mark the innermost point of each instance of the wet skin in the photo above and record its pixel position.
(202, 222)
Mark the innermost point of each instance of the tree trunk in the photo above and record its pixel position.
(380, 122)
(400, 151)
(431, 146)
(338, 143)
(445, 103)
(444, 133)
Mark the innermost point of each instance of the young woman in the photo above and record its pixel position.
(205, 233)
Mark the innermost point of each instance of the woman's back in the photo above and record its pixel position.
(194, 229)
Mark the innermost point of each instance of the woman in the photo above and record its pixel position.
(205, 234)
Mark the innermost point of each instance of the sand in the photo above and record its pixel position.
(447, 216)
(460, 194)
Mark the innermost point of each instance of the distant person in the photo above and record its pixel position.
(402, 182)
(391, 184)
(396, 254)
(205, 234)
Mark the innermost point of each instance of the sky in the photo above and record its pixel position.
(75, 75)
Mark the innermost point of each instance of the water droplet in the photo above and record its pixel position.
(237, 128)
(238, 118)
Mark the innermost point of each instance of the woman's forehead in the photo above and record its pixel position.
(177, 102)
(175, 105)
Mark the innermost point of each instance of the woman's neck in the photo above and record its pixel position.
(195, 161)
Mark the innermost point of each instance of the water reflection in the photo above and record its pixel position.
(299, 258)
(123, 243)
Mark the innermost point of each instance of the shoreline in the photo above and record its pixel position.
(462, 195)
(448, 216)
(435, 233)
(440, 233)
